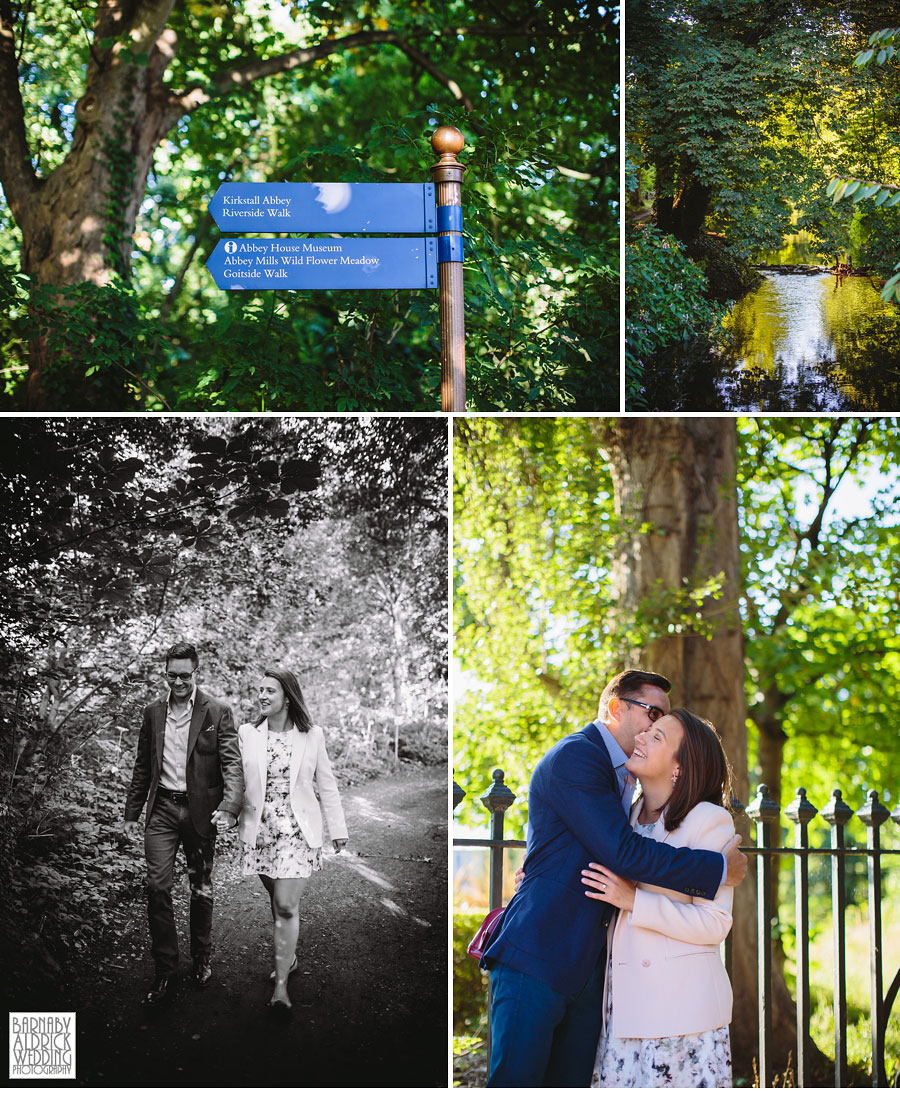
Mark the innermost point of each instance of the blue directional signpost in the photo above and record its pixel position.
(384, 207)
(396, 263)
(424, 252)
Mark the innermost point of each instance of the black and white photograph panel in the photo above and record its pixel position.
(223, 831)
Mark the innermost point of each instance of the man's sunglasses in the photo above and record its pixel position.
(654, 712)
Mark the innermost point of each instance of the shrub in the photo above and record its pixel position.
(469, 982)
(665, 302)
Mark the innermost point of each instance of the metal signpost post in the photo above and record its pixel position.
(415, 258)
(447, 175)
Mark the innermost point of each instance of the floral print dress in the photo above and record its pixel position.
(280, 851)
(687, 1060)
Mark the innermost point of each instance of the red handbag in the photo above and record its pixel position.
(482, 938)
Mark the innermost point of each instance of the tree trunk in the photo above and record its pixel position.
(675, 490)
(79, 224)
(665, 197)
(767, 717)
(692, 208)
(399, 669)
(683, 216)
(81, 220)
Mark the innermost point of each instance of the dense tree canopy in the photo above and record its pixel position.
(739, 116)
(269, 536)
(119, 120)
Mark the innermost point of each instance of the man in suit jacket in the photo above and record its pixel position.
(188, 771)
(547, 959)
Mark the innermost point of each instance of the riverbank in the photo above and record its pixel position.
(729, 278)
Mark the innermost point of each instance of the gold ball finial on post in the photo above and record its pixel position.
(447, 141)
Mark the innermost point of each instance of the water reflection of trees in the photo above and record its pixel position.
(803, 345)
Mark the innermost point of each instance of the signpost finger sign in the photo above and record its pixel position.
(396, 263)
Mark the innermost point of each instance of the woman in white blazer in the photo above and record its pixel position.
(280, 823)
(667, 997)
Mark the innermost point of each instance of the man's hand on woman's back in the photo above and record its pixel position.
(735, 860)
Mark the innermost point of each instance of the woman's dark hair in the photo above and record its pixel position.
(705, 771)
(296, 704)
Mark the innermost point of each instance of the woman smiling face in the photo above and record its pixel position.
(653, 759)
(272, 699)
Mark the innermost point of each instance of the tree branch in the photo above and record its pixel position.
(419, 58)
(833, 481)
(142, 21)
(232, 79)
(186, 102)
(25, 13)
(148, 22)
(200, 236)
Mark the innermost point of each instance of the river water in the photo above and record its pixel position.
(798, 342)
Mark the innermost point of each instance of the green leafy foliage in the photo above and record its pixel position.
(884, 40)
(538, 630)
(665, 302)
(820, 620)
(530, 591)
(739, 115)
(885, 195)
(469, 982)
(539, 197)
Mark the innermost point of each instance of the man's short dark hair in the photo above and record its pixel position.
(629, 683)
(180, 651)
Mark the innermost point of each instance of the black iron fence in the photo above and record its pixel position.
(765, 813)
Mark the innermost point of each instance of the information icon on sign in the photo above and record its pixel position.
(230, 247)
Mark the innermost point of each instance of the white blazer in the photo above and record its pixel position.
(309, 761)
(667, 972)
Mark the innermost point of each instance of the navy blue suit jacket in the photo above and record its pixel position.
(551, 930)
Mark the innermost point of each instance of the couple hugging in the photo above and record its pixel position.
(199, 776)
(583, 995)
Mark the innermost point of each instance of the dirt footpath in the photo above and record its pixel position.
(370, 999)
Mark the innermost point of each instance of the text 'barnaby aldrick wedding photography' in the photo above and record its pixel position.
(42, 1046)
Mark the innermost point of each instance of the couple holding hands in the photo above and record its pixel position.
(605, 968)
(198, 776)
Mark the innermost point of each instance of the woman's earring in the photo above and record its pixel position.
(674, 777)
